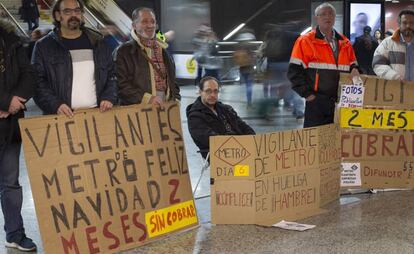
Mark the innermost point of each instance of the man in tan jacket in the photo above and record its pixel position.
(145, 71)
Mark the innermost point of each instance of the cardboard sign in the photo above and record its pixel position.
(105, 182)
(375, 137)
(352, 96)
(395, 94)
(264, 178)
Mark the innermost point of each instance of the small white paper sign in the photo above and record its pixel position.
(352, 96)
(293, 226)
(350, 174)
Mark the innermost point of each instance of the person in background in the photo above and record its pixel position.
(394, 57)
(34, 37)
(30, 14)
(378, 36)
(364, 48)
(205, 53)
(245, 59)
(388, 33)
(361, 21)
(17, 86)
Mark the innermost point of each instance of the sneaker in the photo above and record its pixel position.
(25, 244)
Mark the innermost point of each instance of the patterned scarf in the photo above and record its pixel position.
(157, 59)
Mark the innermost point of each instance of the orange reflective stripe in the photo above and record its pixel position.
(315, 87)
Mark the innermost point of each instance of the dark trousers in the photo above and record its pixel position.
(33, 24)
(320, 111)
(11, 195)
(247, 79)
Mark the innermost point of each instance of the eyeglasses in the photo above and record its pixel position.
(329, 14)
(68, 11)
(209, 91)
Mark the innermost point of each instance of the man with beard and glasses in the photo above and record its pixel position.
(394, 57)
(145, 70)
(207, 116)
(74, 65)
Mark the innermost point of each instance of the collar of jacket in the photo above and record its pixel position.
(93, 36)
(8, 32)
(7, 26)
(319, 35)
(396, 36)
(134, 36)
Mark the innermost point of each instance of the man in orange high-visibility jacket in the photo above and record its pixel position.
(316, 61)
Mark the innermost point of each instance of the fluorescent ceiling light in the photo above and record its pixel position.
(234, 31)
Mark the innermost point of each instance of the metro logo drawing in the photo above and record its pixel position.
(232, 152)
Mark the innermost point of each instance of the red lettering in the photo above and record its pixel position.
(90, 240)
(402, 145)
(174, 183)
(140, 226)
(169, 221)
(125, 229)
(385, 140)
(68, 245)
(343, 138)
(153, 222)
(357, 145)
(108, 234)
(371, 149)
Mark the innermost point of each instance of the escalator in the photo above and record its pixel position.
(6, 14)
(104, 16)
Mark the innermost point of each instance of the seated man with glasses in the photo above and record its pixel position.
(74, 65)
(209, 117)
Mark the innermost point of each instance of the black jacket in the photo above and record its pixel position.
(17, 78)
(203, 123)
(53, 63)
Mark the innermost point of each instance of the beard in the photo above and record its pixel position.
(146, 35)
(74, 23)
(408, 32)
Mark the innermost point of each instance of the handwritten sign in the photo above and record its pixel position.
(287, 172)
(352, 96)
(377, 137)
(377, 119)
(97, 177)
(384, 93)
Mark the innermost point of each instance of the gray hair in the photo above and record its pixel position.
(324, 5)
(135, 13)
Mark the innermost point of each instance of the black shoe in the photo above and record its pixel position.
(24, 244)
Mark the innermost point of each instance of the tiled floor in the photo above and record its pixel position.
(360, 223)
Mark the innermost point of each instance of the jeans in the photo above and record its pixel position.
(249, 86)
(11, 195)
